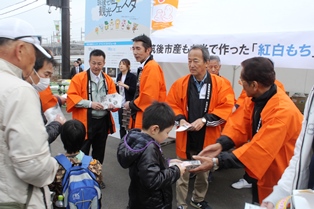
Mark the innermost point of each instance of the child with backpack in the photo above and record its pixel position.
(140, 151)
(78, 176)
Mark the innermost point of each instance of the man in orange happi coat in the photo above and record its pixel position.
(203, 101)
(243, 95)
(246, 181)
(151, 85)
(214, 67)
(270, 121)
(85, 94)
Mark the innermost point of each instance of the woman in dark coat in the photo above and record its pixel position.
(126, 85)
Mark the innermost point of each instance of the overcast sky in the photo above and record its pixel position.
(36, 13)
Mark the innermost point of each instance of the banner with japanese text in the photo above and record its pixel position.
(111, 26)
(286, 49)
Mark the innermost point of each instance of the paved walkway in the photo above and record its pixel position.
(115, 196)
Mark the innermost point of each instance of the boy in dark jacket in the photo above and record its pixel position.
(140, 151)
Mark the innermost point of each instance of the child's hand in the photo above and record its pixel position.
(60, 119)
(182, 168)
(178, 163)
(174, 161)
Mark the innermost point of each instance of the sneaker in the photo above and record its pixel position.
(201, 205)
(241, 184)
(102, 185)
(180, 207)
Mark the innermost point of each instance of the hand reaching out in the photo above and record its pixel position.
(60, 119)
(211, 150)
(205, 156)
(182, 168)
(178, 163)
(207, 164)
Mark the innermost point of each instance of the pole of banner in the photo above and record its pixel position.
(65, 32)
(235, 67)
(65, 18)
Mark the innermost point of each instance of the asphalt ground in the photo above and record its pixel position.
(220, 194)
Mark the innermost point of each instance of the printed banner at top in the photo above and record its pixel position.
(286, 49)
(116, 19)
(164, 12)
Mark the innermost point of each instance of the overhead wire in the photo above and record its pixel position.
(14, 5)
(18, 8)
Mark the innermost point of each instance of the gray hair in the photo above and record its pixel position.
(204, 50)
(214, 57)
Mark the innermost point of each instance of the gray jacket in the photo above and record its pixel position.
(24, 152)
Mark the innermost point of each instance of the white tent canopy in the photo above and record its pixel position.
(284, 29)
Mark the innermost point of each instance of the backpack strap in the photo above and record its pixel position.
(64, 161)
(86, 161)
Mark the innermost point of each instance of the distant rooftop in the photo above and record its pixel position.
(76, 48)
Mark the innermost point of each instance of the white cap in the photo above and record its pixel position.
(18, 29)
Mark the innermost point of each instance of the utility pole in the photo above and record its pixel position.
(65, 34)
(65, 19)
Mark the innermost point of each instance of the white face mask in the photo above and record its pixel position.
(42, 84)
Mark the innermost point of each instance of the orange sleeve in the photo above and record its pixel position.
(76, 91)
(175, 99)
(152, 86)
(238, 126)
(222, 98)
(47, 99)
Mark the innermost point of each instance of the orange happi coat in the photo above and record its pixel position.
(47, 99)
(221, 104)
(152, 88)
(266, 154)
(243, 93)
(78, 91)
(228, 83)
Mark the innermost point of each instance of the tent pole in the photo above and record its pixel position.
(235, 67)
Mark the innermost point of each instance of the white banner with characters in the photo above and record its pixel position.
(111, 26)
(286, 49)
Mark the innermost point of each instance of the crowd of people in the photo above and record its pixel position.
(261, 132)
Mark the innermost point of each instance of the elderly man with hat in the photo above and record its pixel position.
(26, 165)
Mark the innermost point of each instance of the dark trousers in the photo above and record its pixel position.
(122, 129)
(252, 181)
(97, 138)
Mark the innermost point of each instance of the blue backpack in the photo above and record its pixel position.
(79, 186)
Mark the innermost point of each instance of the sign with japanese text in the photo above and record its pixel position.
(286, 49)
(111, 26)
